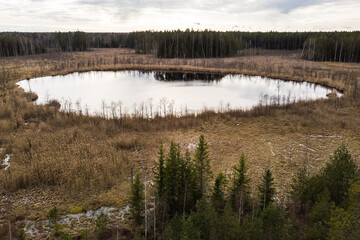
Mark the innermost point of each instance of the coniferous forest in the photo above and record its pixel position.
(192, 203)
(317, 46)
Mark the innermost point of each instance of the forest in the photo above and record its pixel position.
(317, 46)
(191, 204)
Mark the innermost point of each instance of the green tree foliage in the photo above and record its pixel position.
(339, 173)
(205, 219)
(218, 193)
(181, 228)
(53, 216)
(172, 186)
(318, 46)
(202, 166)
(345, 223)
(299, 190)
(159, 173)
(273, 220)
(318, 217)
(187, 178)
(227, 225)
(16, 43)
(333, 46)
(137, 200)
(101, 223)
(252, 229)
(239, 193)
(322, 206)
(266, 190)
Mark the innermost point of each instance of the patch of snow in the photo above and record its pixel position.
(271, 149)
(6, 161)
(191, 146)
(325, 136)
(36, 228)
(302, 145)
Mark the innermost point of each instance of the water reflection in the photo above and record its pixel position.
(180, 76)
(120, 93)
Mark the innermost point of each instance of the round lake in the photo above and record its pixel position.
(150, 93)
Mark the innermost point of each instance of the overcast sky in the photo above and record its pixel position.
(224, 15)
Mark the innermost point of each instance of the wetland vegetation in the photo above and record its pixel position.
(73, 163)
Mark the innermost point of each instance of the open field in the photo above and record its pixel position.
(67, 160)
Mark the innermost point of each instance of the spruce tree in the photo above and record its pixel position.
(202, 166)
(299, 190)
(159, 173)
(266, 190)
(239, 193)
(172, 181)
(137, 200)
(218, 193)
(187, 182)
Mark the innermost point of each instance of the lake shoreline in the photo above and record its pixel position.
(174, 91)
(194, 70)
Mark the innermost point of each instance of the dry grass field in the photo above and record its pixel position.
(67, 160)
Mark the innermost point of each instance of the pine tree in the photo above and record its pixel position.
(202, 166)
(137, 200)
(266, 190)
(339, 173)
(239, 193)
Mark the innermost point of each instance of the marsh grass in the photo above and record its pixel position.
(92, 156)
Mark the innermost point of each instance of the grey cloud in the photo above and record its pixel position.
(286, 6)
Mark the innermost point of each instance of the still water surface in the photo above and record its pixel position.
(147, 93)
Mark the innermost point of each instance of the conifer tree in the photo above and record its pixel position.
(239, 192)
(186, 177)
(266, 190)
(339, 173)
(202, 166)
(137, 200)
(218, 193)
(298, 191)
(159, 173)
(172, 179)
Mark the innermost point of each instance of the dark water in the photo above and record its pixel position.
(147, 93)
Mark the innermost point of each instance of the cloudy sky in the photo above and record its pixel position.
(132, 15)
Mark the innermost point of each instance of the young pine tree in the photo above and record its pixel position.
(137, 200)
(266, 190)
(339, 173)
(202, 166)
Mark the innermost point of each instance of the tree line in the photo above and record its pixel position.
(190, 204)
(16, 43)
(317, 46)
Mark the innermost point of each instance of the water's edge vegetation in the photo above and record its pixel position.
(161, 93)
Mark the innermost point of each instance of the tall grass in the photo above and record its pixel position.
(53, 147)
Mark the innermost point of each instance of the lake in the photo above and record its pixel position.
(147, 93)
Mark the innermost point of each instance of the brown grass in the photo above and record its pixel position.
(67, 160)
